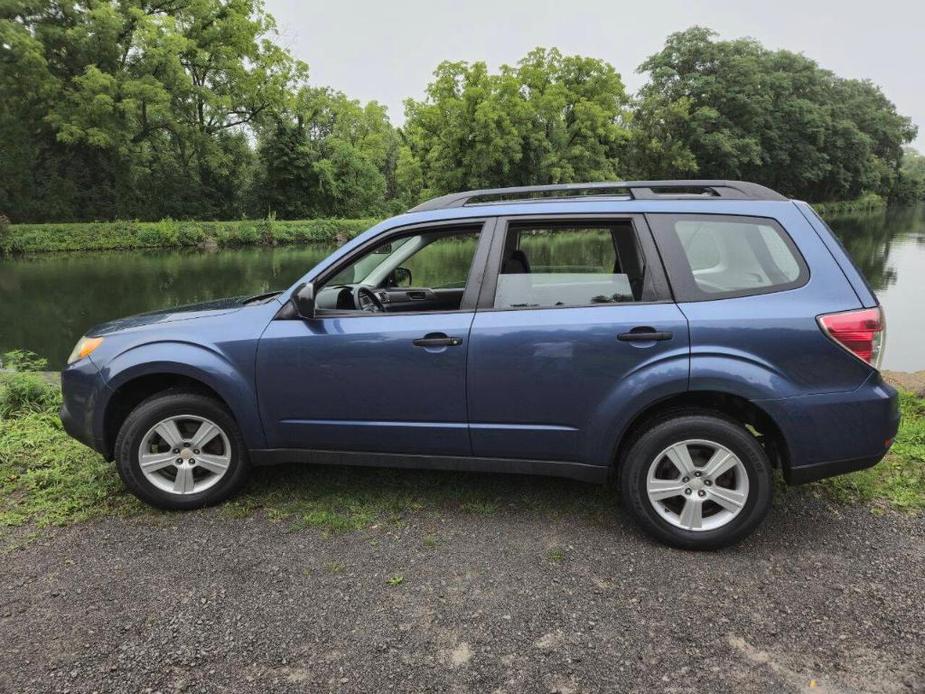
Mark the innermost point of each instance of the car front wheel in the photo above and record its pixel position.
(697, 481)
(181, 450)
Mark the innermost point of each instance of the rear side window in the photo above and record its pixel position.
(551, 265)
(719, 256)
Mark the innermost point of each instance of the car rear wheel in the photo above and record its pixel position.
(697, 481)
(181, 450)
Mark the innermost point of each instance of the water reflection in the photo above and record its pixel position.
(47, 301)
(889, 248)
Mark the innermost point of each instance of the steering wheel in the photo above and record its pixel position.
(365, 299)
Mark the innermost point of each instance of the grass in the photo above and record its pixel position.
(556, 555)
(169, 233)
(48, 479)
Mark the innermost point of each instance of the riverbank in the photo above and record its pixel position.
(19, 239)
(870, 202)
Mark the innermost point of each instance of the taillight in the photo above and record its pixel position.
(861, 332)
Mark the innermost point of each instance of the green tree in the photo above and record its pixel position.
(734, 109)
(910, 184)
(550, 119)
(137, 107)
(326, 156)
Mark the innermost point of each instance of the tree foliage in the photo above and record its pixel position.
(326, 156)
(734, 109)
(910, 184)
(145, 109)
(135, 107)
(550, 119)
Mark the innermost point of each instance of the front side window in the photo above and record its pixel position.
(553, 265)
(425, 271)
(718, 256)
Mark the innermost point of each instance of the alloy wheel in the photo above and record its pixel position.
(697, 485)
(184, 454)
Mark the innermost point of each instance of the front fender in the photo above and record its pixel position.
(211, 367)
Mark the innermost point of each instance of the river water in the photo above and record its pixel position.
(48, 300)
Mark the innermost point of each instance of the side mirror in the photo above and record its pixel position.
(401, 277)
(304, 300)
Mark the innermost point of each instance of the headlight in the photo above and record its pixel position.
(84, 347)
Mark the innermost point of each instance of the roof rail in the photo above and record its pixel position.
(635, 190)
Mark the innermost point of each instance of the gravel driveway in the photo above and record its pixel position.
(509, 602)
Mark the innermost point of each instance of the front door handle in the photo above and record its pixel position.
(645, 335)
(437, 340)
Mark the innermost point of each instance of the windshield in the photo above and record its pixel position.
(361, 269)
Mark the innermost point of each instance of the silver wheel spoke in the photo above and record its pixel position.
(664, 489)
(164, 445)
(183, 484)
(681, 502)
(213, 463)
(729, 499)
(692, 514)
(720, 462)
(168, 431)
(205, 433)
(151, 462)
(680, 457)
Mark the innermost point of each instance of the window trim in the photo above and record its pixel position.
(656, 270)
(485, 227)
(678, 267)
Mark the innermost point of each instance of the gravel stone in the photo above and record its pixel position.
(819, 597)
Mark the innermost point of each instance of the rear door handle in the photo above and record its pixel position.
(437, 340)
(645, 335)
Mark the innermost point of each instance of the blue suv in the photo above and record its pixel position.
(684, 336)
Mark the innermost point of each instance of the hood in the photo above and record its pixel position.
(215, 307)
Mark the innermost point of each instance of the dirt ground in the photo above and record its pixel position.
(513, 601)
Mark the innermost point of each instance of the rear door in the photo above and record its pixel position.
(569, 309)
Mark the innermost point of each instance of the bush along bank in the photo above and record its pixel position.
(169, 233)
(870, 202)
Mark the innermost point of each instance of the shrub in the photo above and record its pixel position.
(24, 393)
(190, 234)
(265, 228)
(169, 233)
(23, 360)
(6, 238)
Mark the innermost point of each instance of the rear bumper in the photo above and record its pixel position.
(835, 433)
(829, 468)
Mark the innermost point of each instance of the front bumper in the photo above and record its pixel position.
(835, 433)
(81, 389)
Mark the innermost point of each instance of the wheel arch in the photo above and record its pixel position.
(761, 424)
(140, 380)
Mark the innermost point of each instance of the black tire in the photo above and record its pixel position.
(174, 403)
(684, 426)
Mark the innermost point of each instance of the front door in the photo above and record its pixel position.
(382, 367)
(559, 344)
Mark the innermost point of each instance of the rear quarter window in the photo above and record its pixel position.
(722, 256)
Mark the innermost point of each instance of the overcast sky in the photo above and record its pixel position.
(387, 51)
